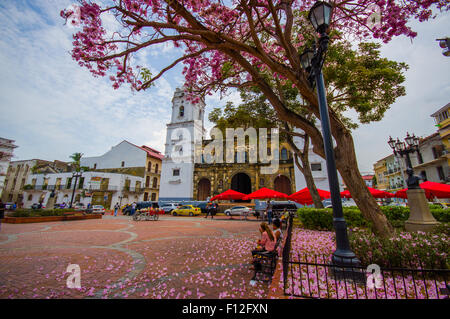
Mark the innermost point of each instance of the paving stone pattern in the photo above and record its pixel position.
(174, 257)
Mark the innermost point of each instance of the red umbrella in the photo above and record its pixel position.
(265, 193)
(375, 193)
(346, 194)
(432, 189)
(229, 194)
(304, 196)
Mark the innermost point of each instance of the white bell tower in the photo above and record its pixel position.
(184, 131)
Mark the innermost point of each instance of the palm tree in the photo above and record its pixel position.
(76, 157)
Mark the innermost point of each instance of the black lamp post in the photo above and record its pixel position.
(401, 148)
(312, 61)
(404, 149)
(75, 175)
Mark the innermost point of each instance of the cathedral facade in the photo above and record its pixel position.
(185, 174)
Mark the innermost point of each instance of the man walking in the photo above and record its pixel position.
(269, 212)
(2, 212)
(133, 208)
(116, 208)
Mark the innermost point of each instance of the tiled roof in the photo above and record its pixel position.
(152, 152)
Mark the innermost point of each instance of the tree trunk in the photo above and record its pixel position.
(305, 168)
(310, 182)
(348, 168)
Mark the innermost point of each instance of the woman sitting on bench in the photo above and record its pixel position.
(267, 241)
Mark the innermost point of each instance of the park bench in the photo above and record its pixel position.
(265, 262)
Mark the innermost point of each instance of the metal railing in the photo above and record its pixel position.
(133, 189)
(314, 276)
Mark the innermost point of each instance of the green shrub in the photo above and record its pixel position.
(441, 214)
(39, 212)
(429, 250)
(395, 212)
(322, 219)
(319, 219)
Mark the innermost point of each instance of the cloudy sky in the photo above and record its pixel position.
(53, 108)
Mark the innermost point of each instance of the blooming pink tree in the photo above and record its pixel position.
(238, 43)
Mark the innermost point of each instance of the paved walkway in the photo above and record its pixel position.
(175, 257)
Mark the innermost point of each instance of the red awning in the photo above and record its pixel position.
(264, 193)
(432, 189)
(229, 194)
(375, 193)
(304, 196)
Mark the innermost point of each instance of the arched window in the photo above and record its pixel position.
(284, 154)
(30, 197)
(181, 114)
(155, 182)
(156, 168)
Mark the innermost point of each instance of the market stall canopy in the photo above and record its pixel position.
(304, 196)
(375, 193)
(432, 189)
(265, 193)
(228, 195)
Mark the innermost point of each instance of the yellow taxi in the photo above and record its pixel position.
(187, 210)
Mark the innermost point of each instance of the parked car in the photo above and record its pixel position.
(202, 207)
(37, 206)
(345, 203)
(79, 207)
(99, 209)
(238, 211)
(169, 207)
(9, 206)
(186, 210)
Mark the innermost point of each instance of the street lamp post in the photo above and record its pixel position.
(420, 217)
(76, 175)
(312, 61)
(445, 44)
(403, 149)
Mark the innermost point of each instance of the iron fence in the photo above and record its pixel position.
(314, 276)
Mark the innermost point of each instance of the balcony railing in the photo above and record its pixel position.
(133, 189)
(103, 188)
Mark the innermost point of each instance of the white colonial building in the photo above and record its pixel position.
(318, 167)
(125, 174)
(91, 187)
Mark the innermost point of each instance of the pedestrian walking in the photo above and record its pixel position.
(133, 208)
(214, 207)
(2, 212)
(116, 208)
(269, 212)
(208, 209)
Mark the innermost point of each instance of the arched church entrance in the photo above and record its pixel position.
(204, 189)
(241, 183)
(282, 184)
